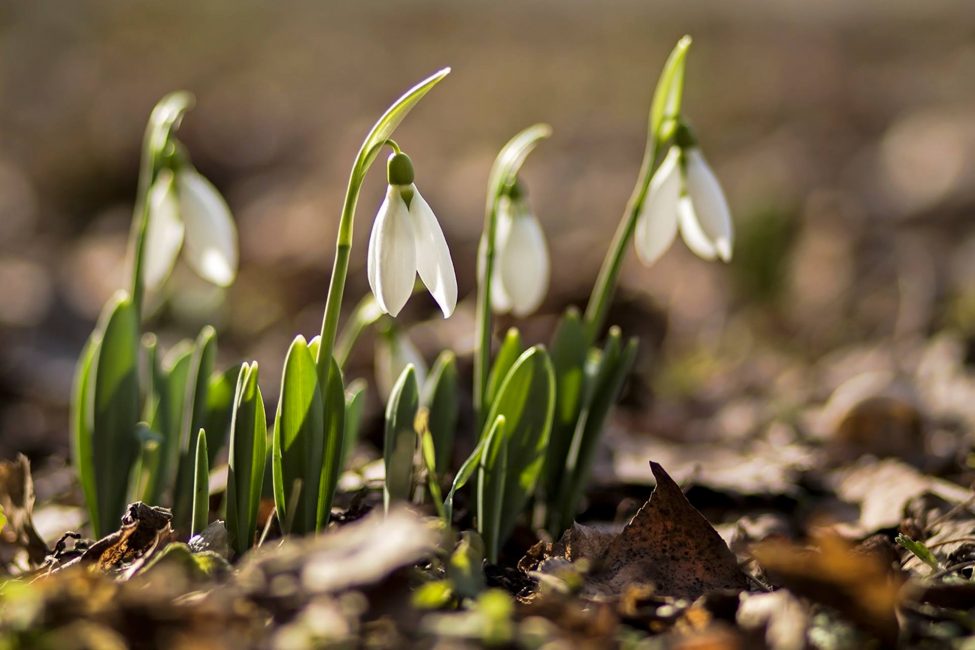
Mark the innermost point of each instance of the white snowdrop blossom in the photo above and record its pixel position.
(406, 240)
(684, 195)
(521, 271)
(187, 212)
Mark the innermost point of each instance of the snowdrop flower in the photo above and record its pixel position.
(186, 211)
(684, 194)
(407, 240)
(521, 264)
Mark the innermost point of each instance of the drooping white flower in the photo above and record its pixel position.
(406, 240)
(186, 211)
(521, 264)
(684, 195)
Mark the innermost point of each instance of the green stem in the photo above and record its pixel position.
(140, 218)
(605, 286)
(482, 354)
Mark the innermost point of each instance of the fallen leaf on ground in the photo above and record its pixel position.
(17, 501)
(668, 544)
(778, 618)
(857, 585)
(358, 554)
(881, 490)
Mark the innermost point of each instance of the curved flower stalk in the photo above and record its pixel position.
(684, 195)
(187, 212)
(407, 240)
(522, 267)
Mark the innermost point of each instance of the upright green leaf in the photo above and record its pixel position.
(492, 478)
(400, 438)
(568, 350)
(527, 402)
(298, 440)
(201, 486)
(334, 405)
(355, 401)
(115, 446)
(192, 418)
(144, 469)
(441, 396)
(82, 425)
(248, 456)
(467, 470)
(614, 365)
(219, 409)
(511, 348)
(169, 389)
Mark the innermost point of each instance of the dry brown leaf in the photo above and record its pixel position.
(857, 585)
(143, 528)
(882, 489)
(670, 544)
(17, 501)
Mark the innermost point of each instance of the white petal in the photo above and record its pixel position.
(433, 261)
(211, 236)
(500, 300)
(392, 254)
(710, 204)
(524, 264)
(164, 232)
(656, 225)
(690, 230)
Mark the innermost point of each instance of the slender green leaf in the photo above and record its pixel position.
(82, 425)
(919, 550)
(400, 438)
(568, 350)
(428, 453)
(144, 469)
(441, 396)
(492, 476)
(116, 410)
(355, 401)
(220, 402)
(201, 486)
(248, 456)
(298, 440)
(614, 366)
(511, 348)
(169, 388)
(527, 401)
(670, 88)
(331, 466)
(467, 470)
(192, 418)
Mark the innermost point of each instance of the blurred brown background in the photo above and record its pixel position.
(843, 132)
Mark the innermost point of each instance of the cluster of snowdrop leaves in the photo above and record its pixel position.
(133, 438)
